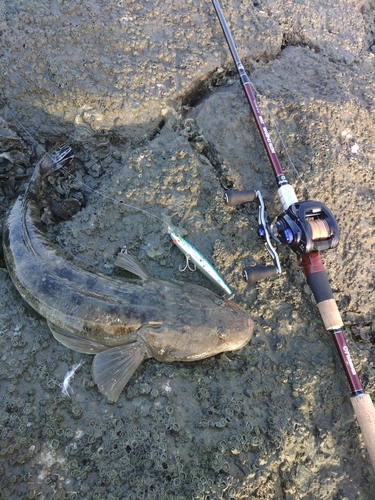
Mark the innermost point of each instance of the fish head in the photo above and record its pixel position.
(203, 326)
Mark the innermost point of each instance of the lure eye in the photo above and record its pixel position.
(220, 332)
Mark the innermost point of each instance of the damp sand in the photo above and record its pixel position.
(149, 100)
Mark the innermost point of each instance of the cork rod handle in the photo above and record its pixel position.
(362, 404)
(365, 412)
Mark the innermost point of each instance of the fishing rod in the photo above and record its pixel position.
(307, 227)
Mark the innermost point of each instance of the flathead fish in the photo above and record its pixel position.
(122, 322)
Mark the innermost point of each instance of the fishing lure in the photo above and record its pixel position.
(192, 254)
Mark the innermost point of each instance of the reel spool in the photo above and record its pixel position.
(320, 229)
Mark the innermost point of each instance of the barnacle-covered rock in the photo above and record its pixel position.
(125, 84)
(14, 159)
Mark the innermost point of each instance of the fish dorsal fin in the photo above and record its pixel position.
(113, 368)
(74, 342)
(131, 264)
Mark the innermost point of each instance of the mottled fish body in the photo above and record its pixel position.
(123, 322)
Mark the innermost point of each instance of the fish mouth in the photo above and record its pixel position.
(242, 324)
(246, 339)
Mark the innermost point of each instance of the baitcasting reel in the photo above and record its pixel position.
(305, 226)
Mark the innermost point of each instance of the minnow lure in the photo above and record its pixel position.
(192, 254)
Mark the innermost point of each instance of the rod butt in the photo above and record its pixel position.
(365, 412)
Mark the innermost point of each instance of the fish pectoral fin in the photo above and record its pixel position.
(74, 342)
(113, 368)
(131, 264)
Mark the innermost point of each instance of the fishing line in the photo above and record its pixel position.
(276, 127)
(190, 252)
(86, 186)
(265, 106)
(293, 228)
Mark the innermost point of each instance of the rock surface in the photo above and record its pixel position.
(148, 98)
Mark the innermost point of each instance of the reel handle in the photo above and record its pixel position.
(233, 198)
(251, 274)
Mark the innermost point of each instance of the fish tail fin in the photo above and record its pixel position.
(59, 157)
(113, 368)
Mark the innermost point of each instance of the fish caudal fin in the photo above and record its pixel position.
(113, 368)
(59, 157)
(75, 343)
(131, 264)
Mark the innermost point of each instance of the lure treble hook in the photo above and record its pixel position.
(187, 265)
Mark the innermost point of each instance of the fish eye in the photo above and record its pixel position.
(221, 332)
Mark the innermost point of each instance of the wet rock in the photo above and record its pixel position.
(150, 101)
